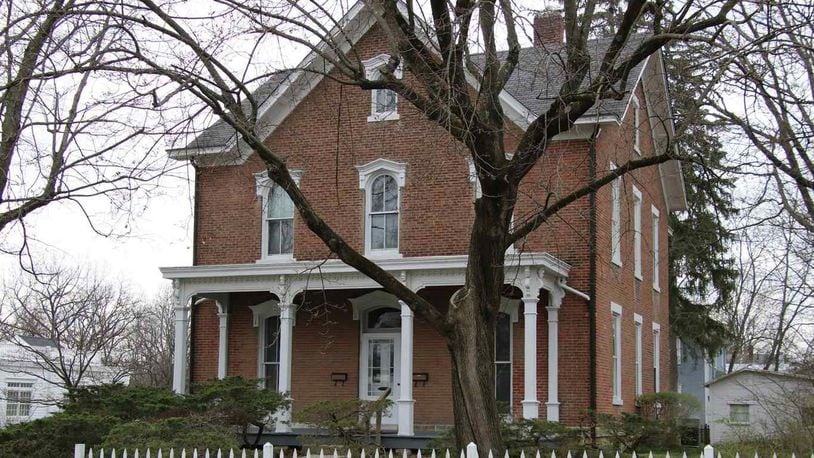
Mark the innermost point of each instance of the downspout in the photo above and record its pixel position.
(592, 274)
(194, 263)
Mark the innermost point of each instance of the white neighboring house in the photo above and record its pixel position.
(27, 390)
(753, 403)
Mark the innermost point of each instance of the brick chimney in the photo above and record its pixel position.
(549, 28)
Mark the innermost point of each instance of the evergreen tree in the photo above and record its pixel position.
(702, 276)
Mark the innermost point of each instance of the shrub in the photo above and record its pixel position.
(660, 423)
(125, 402)
(189, 433)
(348, 423)
(55, 435)
(533, 434)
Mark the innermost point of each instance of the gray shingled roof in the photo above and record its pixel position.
(38, 341)
(220, 134)
(535, 83)
(540, 72)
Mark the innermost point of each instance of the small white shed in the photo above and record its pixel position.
(754, 403)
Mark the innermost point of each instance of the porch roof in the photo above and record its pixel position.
(287, 278)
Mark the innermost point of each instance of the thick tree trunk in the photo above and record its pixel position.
(473, 315)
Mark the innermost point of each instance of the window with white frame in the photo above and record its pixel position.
(18, 400)
(383, 102)
(739, 414)
(655, 215)
(679, 351)
(637, 233)
(278, 217)
(616, 219)
(656, 357)
(637, 145)
(271, 352)
(616, 352)
(637, 321)
(503, 363)
(382, 181)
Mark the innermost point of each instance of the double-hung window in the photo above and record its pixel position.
(280, 222)
(18, 400)
(277, 217)
(382, 181)
(637, 321)
(739, 414)
(637, 137)
(616, 352)
(503, 363)
(384, 214)
(271, 352)
(616, 219)
(656, 357)
(655, 215)
(637, 233)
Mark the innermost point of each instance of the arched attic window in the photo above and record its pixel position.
(277, 218)
(382, 181)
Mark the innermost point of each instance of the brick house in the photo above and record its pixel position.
(583, 327)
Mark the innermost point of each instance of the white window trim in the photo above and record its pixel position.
(748, 413)
(260, 312)
(679, 351)
(30, 403)
(263, 186)
(371, 67)
(637, 320)
(637, 119)
(637, 233)
(616, 329)
(657, 356)
(367, 174)
(655, 219)
(616, 219)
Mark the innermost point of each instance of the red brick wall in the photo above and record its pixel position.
(436, 209)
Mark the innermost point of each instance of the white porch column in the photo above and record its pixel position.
(284, 383)
(531, 406)
(223, 339)
(179, 367)
(553, 403)
(405, 402)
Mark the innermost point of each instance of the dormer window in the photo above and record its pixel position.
(383, 102)
(382, 181)
(277, 217)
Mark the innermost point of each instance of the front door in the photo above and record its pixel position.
(380, 370)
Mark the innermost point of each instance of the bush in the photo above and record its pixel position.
(55, 435)
(125, 402)
(533, 434)
(167, 433)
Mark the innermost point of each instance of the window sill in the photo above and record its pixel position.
(656, 288)
(637, 150)
(617, 401)
(390, 116)
(616, 262)
(383, 254)
(275, 258)
(638, 276)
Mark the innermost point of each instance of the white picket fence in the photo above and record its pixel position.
(80, 451)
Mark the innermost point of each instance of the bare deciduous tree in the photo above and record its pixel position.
(146, 352)
(456, 74)
(70, 131)
(83, 317)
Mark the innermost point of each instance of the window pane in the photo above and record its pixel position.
(391, 194)
(377, 194)
(385, 101)
(502, 338)
(739, 413)
(279, 204)
(503, 386)
(286, 236)
(377, 231)
(274, 236)
(392, 230)
(271, 353)
(271, 376)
